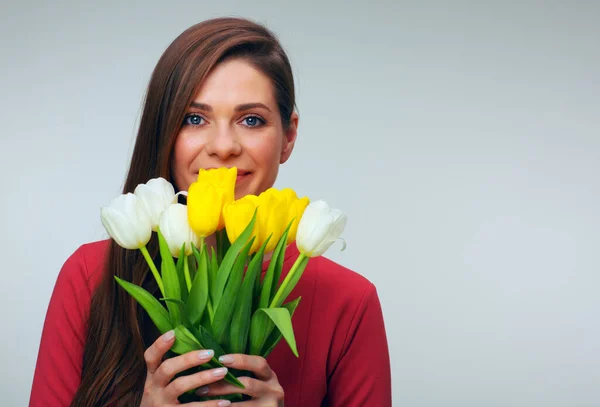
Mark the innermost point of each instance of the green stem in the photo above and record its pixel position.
(277, 300)
(202, 248)
(150, 262)
(186, 272)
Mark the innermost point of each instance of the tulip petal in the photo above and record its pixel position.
(204, 206)
(319, 227)
(175, 227)
(126, 222)
(156, 195)
(120, 228)
(334, 231)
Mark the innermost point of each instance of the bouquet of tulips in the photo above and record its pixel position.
(215, 298)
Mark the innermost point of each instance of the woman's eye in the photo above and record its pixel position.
(193, 120)
(253, 121)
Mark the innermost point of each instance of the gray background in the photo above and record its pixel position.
(462, 139)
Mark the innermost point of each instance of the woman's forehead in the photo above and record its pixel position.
(233, 83)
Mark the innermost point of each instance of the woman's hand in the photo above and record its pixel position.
(265, 390)
(161, 391)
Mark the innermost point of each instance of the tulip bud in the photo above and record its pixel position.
(127, 221)
(176, 230)
(156, 195)
(319, 228)
(272, 215)
(237, 215)
(204, 208)
(206, 198)
(295, 209)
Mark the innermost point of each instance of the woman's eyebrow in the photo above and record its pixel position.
(247, 106)
(238, 108)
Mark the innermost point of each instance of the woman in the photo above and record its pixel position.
(222, 94)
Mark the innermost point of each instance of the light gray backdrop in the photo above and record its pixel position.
(462, 139)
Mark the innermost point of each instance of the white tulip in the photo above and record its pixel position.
(175, 228)
(127, 222)
(156, 196)
(319, 227)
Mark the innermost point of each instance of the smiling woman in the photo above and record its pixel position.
(221, 95)
(234, 120)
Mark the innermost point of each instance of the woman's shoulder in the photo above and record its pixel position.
(333, 278)
(86, 263)
(94, 253)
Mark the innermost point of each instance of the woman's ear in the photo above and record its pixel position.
(289, 138)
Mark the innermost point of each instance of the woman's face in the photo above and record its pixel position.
(234, 121)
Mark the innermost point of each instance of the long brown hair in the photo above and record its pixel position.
(118, 329)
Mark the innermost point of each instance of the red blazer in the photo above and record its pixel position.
(340, 334)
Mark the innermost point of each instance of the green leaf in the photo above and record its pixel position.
(257, 285)
(283, 321)
(199, 292)
(158, 314)
(274, 271)
(229, 259)
(185, 320)
(276, 335)
(193, 265)
(224, 310)
(219, 243)
(214, 269)
(240, 321)
(185, 341)
(207, 339)
(207, 318)
(170, 279)
(260, 328)
(225, 243)
(180, 275)
(196, 254)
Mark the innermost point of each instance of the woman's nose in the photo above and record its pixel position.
(223, 144)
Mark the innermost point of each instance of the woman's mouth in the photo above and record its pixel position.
(241, 176)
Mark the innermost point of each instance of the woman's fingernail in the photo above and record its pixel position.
(226, 359)
(206, 354)
(222, 371)
(202, 390)
(224, 403)
(168, 335)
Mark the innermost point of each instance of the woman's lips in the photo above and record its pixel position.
(242, 176)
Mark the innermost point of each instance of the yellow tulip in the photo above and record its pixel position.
(207, 197)
(275, 210)
(237, 215)
(295, 209)
(272, 216)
